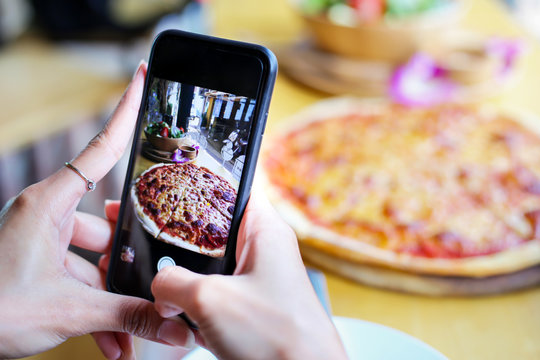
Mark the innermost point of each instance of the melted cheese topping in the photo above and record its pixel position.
(445, 182)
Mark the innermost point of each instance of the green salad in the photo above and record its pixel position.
(161, 128)
(350, 12)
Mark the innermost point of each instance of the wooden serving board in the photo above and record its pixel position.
(332, 73)
(155, 155)
(339, 75)
(429, 285)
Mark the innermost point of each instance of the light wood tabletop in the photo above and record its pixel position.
(494, 327)
(45, 90)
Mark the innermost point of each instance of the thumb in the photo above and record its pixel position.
(174, 289)
(118, 313)
(260, 228)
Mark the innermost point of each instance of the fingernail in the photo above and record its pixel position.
(117, 355)
(128, 354)
(108, 201)
(138, 69)
(168, 311)
(103, 262)
(175, 334)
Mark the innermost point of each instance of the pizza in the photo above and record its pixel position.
(451, 190)
(185, 205)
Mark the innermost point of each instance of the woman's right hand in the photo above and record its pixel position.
(267, 310)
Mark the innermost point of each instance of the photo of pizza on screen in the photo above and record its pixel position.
(189, 163)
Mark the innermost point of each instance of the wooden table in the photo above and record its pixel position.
(497, 327)
(45, 90)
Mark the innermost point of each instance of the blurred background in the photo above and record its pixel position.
(65, 63)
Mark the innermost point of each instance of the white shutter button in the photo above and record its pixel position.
(164, 262)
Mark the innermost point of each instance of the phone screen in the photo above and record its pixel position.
(189, 160)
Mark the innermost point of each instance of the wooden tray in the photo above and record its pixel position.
(338, 75)
(418, 283)
(151, 153)
(332, 73)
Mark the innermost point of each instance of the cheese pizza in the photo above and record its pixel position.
(185, 205)
(451, 190)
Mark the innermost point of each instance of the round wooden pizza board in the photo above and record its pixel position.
(422, 284)
(337, 75)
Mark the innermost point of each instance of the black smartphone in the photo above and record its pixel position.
(195, 148)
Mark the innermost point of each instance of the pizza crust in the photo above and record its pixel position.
(185, 245)
(150, 226)
(328, 241)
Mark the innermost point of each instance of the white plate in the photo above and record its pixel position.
(366, 340)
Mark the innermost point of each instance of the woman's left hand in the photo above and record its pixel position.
(47, 293)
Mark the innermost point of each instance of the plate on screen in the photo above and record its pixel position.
(366, 340)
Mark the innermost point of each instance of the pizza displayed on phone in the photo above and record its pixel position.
(190, 162)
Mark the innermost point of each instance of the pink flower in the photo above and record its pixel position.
(178, 158)
(507, 50)
(420, 82)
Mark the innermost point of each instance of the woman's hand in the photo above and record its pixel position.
(48, 294)
(268, 310)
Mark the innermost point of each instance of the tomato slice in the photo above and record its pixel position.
(164, 132)
(368, 10)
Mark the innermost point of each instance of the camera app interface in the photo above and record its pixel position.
(190, 157)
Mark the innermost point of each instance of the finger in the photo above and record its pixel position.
(107, 343)
(260, 228)
(106, 148)
(126, 344)
(258, 203)
(115, 345)
(83, 271)
(253, 206)
(103, 263)
(112, 208)
(103, 311)
(258, 217)
(167, 311)
(92, 233)
(173, 288)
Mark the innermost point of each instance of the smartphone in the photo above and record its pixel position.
(193, 157)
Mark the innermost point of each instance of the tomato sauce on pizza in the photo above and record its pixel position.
(185, 205)
(451, 182)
